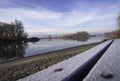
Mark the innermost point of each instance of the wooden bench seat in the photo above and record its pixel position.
(108, 67)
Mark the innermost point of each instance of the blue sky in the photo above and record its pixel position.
(62, 16)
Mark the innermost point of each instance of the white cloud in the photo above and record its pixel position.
(22, 13)
(53, 19)
(47, 21)
(74, 18)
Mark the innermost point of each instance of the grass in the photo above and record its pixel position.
(14, 70)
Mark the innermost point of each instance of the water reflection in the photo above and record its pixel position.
(12, 51)
(83, 39)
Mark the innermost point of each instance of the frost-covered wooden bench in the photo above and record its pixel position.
(108, 66)
(97, 64)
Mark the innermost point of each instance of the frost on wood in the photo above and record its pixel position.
(61, 70)
(108, 67)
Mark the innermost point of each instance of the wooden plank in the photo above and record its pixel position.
(108, 67)
(63, 69)
(80, 73)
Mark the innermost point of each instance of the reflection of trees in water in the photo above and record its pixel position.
(83, 39)
(49, 39)
(12, 51)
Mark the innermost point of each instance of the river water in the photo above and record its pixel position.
(16, 51)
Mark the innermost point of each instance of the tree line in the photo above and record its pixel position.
(80, 36)
(13, 31)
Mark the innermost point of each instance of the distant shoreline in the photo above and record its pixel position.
(20, 68)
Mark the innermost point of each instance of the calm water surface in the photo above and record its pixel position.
(16, 51)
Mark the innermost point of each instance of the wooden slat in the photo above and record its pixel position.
(108, 67)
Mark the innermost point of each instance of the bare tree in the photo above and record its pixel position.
(13, 31)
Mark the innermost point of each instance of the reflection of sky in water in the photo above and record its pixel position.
(43, 46)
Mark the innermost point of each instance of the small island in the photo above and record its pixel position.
(79, 36)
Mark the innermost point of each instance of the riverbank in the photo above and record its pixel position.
(13, 70)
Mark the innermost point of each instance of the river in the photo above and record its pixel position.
(16, 51)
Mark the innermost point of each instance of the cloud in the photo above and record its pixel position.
(74, 18)
(81, 17)
(21, 13)
(51, 18)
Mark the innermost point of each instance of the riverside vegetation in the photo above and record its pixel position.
(79, 36)
(12, 32)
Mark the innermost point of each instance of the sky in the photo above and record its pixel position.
(62, 16)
